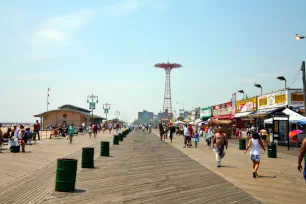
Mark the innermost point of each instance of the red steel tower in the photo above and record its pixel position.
(167, 108)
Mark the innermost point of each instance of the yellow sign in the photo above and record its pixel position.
(263, 101)
(282, 98)
(246, 105)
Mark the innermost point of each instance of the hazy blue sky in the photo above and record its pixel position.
(109, 48)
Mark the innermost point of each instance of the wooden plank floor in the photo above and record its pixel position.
(144, 170)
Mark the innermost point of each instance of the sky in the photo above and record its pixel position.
(108, 48)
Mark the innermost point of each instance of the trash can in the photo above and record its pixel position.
(116, 140)
(15, 149)
(66, 175)
(242, 144)
(88, 154)
(104, 149)
(305, 158)
(272, 153)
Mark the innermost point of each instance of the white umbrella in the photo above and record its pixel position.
(179, 122)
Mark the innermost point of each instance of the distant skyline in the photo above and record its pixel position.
(109, 48)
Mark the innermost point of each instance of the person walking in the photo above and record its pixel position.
(110, 127)
(219, 142)
(255, 143)
(37, 129)
(172, 131)
(95, 130)
(161, 131)
(89, 130)
(263, 134)
(71, 133)
(300, 158)
(187, 136)
(208, 136)
(1, 138)
(196, 139)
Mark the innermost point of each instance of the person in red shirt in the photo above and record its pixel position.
(117, 127)
(95, 130)
(37, 128)
(191, 135)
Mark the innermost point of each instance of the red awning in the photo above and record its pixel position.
(222, 117)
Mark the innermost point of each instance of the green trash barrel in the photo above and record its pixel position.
(305, 158)
(88, 154)
(66, 175)
(116, 140)
(242, 144)
(272, 153)
(104, 149)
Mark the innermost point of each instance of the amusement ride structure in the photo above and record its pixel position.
(167, 108)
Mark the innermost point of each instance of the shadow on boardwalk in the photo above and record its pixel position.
(144, 170)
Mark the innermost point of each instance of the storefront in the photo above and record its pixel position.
(243, 109)
(205, 113)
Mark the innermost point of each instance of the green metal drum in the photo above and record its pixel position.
(66, 175)
(104, 149)
(88, 154)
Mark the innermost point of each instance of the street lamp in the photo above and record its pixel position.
(258, 86)
(106, 108)
(92, 104)
(281, 78)
(241, 91)
(299, 37)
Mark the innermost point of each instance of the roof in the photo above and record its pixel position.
(81, 112)
(72, 107)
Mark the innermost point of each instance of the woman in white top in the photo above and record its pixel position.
(186, 135)
(255, 144)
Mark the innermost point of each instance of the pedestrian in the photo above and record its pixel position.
(71, 133)
(37, 129)
(1, 138)
(186, 135)
(95, 130)
(166, 130)
(301, 156)
(219, 142)
(191, 135)
(196, 139)
(255, 144)
(117, 127)
(161, 131)
(208, 136)
(263, 134)
(89, 130)
(172, 131)
(110, 127)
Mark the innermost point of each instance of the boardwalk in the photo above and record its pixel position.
(144, 170)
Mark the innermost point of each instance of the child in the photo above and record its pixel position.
(196, 139)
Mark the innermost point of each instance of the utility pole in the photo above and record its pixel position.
(304, 85)
(92, 104)
(106, 108)
(48, 99)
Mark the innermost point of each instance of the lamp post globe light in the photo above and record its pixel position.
(281, 78)
(258, 86)
(92, 100)
(106, 108)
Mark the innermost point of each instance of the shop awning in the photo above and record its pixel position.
(293, 117)
(221, 117)
(264, 112)
(242, 115)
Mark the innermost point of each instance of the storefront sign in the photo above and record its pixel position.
(233, 103)
(246, 105)
(205, 112)
(295, 98)
(222, 109)
(272, 100)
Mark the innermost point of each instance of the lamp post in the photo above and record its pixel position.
(117, 114)
(92, 100)
(258, 86)
(281, 78)
(241, 91)
(106, 108)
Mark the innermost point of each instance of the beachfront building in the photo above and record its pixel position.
(68, 114)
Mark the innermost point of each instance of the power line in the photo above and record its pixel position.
(299, 70)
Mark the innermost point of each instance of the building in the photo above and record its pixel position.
(67, 114)
(144, 115)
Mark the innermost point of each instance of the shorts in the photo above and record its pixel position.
(264, 137)
(255, 157)
(304, 173)
(187, 138)
(196, 139)
(70, 135)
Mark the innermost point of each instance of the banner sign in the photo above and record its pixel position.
(272, 100)
(246, 105)
(222, 109)
(296, 98)
(205, 112)
(92, 105)
(233, 103)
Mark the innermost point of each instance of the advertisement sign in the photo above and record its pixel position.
(272, 100)
(233, 103)
(92, 105)
(205, 112)
(246, 105)
(222, 109)
(296, 98)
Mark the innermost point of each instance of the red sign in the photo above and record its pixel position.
(222, 109)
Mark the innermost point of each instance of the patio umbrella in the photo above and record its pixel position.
(295, 132)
